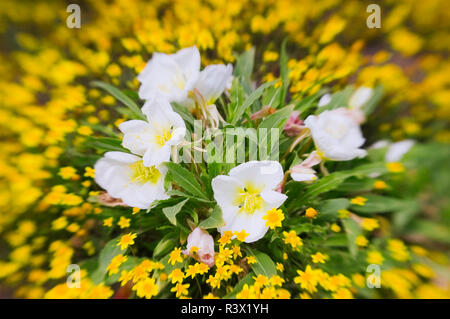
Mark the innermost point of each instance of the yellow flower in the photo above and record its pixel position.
(280, 267)
(379, 184)
(67, 172)
(276, 281)
(361, 241)
(395, 167)
(251, 260)
(108, 222)
(126, 240)
(375, 257)
(241, 235)
(343, 213)
(124, 222)
(84, 130)
(358, 200)
(146, 288)
(319, 258)
(370, 224)
(335, 227)
(307, 279)
(136, 210)
(292, 239)
(115, 263)
(176, 275)
(89, 172)
(125, 276)
(180, 289)
(273, 218)
(59, 223)
(398, 250)
(226, 238)
(311, 213)
(175, 256)
(261, 280)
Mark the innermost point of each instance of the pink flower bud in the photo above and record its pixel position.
(294, 124)
(202, 240)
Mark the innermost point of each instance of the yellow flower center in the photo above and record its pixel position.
(143, 174)
(248, 200)
(163, 137)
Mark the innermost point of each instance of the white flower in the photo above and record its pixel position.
(202, 240)
(174, 76)
(246, 194)
(154, 139)
(397, 150)
(336, 135)
(360, 97)
(303, 172)
(124, 176)
(212, 81)
(324, 100)
(170, 75)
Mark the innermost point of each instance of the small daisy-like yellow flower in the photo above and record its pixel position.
(115, 263)
(89, 172)
(379, 184)
(126, 240)
(241, 235)
(146, 288)
(193, 250)
(273, 218)
(285, 256)
(67, 172)
(86, 184)
(213, 281)
(210, 296)
(276, 281)
(280, 267)
(136, 210)
(358, 200)
(125, 276)
(108, 222)
(375, 257)
(311, 213)
(236, 251)
(60, 223)
(226, 238)
(261, 280)
(176, 275)
(361, 241)
(251, 260)
(319, 258)
(192, 270)
(180, 289)
(84, 130)
(97, 210)
(370, 224)
(235, 269)
(175, 256)
(124, 222)
(343, 213)
(73, 228)
(395, 167)
(359, 280)
(292, 239)
(335, 227)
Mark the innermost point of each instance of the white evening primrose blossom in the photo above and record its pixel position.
(324, 100)
(212, 81)
(172, 76)
(124, 176)
(337, 135)
(246, 194)
(154, 138)
(360, 97)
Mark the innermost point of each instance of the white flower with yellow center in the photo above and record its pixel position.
(337, 135)
(154, 139)
(246, 194)
(124, 176)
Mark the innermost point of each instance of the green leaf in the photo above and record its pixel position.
(126, 100)
(166, 244)
(277, 119)
(328, 209)
(184, 113)
(376, 97)
(171, 212)
(352, 230)
(240, 109)
(106, 144)
(383, 204)
(264, 265)
(248, 279)
(108, 252)
(215, 220)
(284, 72)
(185, 179)
(244, 68)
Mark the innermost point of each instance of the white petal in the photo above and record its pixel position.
(155, 156)
(225, 189)
(189, 61)
(273, 199)
(397, 150)
(264, 174)
(212, 81)
(137, 136)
